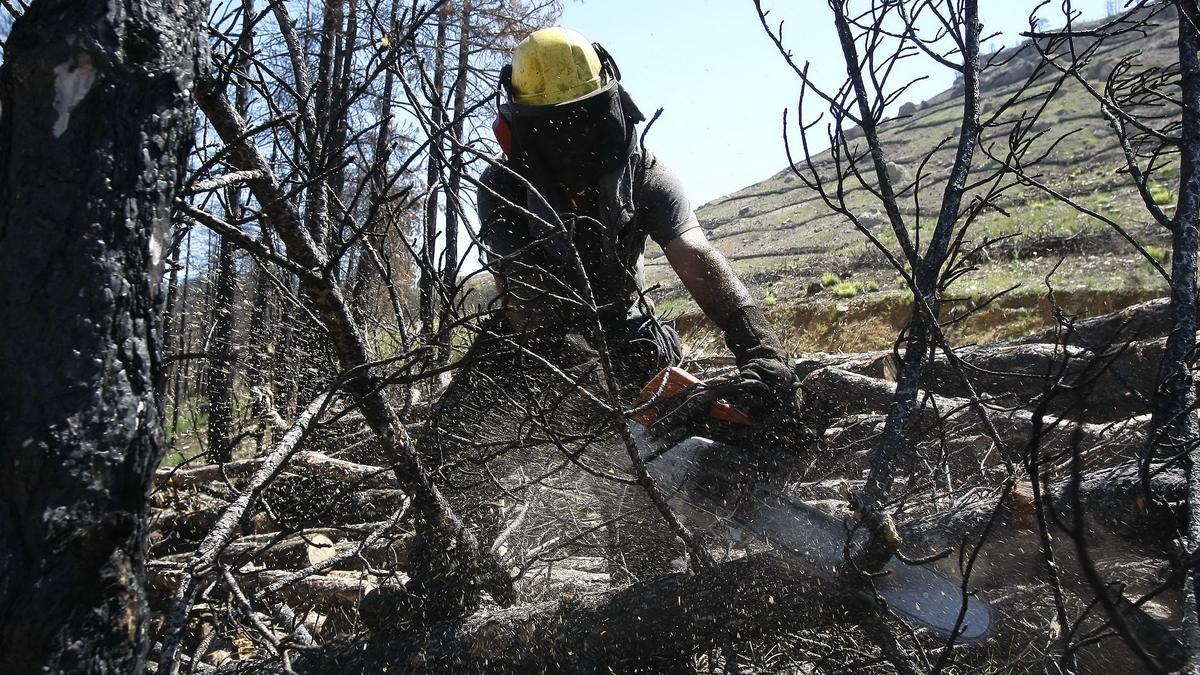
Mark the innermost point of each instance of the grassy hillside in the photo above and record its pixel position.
(827, 288)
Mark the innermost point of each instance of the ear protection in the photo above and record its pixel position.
(502, 125)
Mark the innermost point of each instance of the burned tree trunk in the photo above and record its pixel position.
(92, 120)
(1173, 424)
(428, 278)
(454, 201)
(221, 364)
(219, 387)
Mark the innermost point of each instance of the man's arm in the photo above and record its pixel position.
(724, 299)
(706, 274)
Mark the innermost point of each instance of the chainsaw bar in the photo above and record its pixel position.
(708, 484)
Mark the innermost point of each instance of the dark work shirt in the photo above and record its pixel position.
(520, 249)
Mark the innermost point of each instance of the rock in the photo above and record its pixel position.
(814, 288)
(744, 211)
(896, 173)
(908, 109)
(872, 219)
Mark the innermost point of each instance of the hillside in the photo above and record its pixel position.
(783, 239)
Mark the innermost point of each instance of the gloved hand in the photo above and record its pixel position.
(760, 357)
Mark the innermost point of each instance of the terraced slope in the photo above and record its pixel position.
(784, 240)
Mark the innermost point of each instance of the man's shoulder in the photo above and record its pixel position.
(664, 207)
(657, 177)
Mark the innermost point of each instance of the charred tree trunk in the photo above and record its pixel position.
(378, 226)
(261, 338)
(926, 269)
(221, 365)
(219, 386)
(94, 100)
(168, 314)
(428, 278)
(179, 369)
(454, 185)
(339, 125)
(1173, 423)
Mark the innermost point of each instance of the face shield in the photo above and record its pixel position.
(575, 142)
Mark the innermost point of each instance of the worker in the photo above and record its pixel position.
(564, 218)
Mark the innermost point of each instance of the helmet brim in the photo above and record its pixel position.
(552, 109)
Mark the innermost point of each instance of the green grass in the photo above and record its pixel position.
(1159, 253)
(674, 306)
(1097, 274)
(847, 289)
(174, 459)
(193, 415)
(830, 279)
(1162, 195)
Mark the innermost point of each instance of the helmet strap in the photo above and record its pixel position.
(607, 61)
(506, 85)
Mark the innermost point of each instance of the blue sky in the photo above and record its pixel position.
(723, 85)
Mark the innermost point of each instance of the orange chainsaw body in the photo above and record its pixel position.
(678, 382)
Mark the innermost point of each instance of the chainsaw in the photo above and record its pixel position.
(729, 492)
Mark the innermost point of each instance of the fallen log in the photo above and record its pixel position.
(172, 532)
(647, 627)
(312, 464)
(300, 502)
(877, 364)
(318, 590)
(1143, 321)
(1122, 533)
(309, 548)
(1116, 384)
(1119, 383)
(851, 394)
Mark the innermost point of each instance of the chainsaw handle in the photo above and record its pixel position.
(673, 382)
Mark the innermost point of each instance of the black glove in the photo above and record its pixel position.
(760, 355)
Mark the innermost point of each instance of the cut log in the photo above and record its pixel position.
(317, 549)
(172, 532)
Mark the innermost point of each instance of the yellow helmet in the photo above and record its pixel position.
(554, 66)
